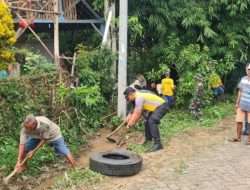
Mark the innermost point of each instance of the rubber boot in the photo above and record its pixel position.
(147, 141)
(156, 146)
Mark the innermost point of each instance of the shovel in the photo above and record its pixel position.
(109, 138)
(6, 179)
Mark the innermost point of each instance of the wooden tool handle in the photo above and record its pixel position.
(35, 150)
(6, 179)
(117, 129)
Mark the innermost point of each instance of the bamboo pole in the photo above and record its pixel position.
(43, 44)
(73, 65)
(106, 32)
(37, 37)
(68, 9)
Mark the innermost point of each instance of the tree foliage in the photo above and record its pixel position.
(197, 36)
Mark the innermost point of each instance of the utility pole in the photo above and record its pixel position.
(56, 38)
(113, 38)
(122, 65)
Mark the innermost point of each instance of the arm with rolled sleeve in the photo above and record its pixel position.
(21, 150)
(135, 116)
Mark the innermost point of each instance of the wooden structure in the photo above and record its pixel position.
(43, 11)
(28, 12)
(72, 12)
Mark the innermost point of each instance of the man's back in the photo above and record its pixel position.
(167, 86)
(148, 101)
(46, 129)
(215, 81)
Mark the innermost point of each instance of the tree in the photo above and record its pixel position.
(7, 36)
(199, 37)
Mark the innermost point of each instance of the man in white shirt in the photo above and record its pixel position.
(37, 131)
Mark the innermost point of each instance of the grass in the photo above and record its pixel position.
(45, 155)
(71, 180)
(177, 121)
(9, 150)
(138, 148)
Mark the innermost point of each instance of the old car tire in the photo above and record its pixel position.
(118, 162)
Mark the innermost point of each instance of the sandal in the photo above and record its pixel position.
(235, 140)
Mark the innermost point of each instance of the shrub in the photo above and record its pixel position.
(7, 36)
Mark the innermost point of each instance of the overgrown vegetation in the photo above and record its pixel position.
(77, 110)
(34, 63)
(19, 97)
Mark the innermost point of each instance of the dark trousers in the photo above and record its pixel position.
(170, 100)
(152, 122)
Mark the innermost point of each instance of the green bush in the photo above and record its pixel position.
(35, 63)
(95, 68)
(82, 110)
(19, 97)
(77, 111)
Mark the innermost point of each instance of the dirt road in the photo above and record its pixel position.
(199, 159)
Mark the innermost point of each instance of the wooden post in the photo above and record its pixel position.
(56, 39)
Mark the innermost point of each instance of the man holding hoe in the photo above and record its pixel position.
(35, 132)
(156, 107)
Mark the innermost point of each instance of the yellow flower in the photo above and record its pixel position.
(11, 40)
(7, 34)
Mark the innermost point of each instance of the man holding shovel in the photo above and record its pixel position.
(156, 107)
(34, 133)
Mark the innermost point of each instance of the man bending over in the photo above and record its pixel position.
(37, 131)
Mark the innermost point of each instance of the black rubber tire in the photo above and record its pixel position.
(116, 167)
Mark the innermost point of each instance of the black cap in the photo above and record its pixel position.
(128, 91)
